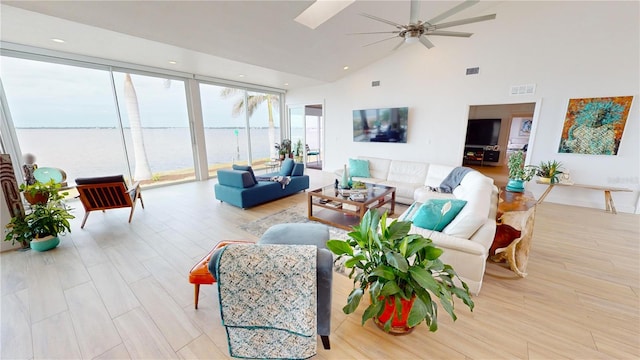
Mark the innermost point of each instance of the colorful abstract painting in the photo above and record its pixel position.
(595, 125)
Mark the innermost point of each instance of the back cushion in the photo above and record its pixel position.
(298, 169)
(100, 180)
(378, 168)
(476, 212)
(408, 172)
(287, 167)
(246, 168)
(436, 174)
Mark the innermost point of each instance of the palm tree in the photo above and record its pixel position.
(142, 169)
(253, 101)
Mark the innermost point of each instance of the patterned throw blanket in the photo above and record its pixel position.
(268, 299)
(283, 180)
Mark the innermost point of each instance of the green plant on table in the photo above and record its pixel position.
(51, 187)
(517, 168)
(393, 265)
(549, 169)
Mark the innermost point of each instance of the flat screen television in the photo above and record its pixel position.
(482, 132)
(381, 125)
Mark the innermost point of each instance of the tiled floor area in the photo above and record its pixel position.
(119, 290)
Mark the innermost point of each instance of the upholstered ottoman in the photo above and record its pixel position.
(310, 234)
(200, 274)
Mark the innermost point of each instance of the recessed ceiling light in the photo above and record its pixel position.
(60, 41)
(241, 75)
(286, 84)
(345, 68)
(172, 62)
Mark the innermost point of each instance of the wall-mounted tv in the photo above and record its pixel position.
(381, 125)
(482, 132)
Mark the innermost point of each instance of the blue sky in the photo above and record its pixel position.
(44, 94)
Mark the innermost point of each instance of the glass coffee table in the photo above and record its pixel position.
(343, 208)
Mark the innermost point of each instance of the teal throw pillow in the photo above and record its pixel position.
(287, 167)
(359, 168)
(246, 168)
(429, 215)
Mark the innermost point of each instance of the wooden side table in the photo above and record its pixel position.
(514, 230)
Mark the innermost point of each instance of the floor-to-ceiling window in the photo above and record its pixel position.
(241, 127)
(65, 116)
(156, 127)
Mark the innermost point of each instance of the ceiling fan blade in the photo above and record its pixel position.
(379, 41)
(398, 46)
(465, 21)
(414, 12)
(449, 33)
(454, 10)
(375, 32)
(426, 42)
(383, 20)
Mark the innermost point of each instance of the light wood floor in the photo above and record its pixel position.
(116, 290)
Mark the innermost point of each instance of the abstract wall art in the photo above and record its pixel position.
(595, 126)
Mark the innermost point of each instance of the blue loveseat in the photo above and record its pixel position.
(239, 186)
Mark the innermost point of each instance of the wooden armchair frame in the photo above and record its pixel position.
(110, 195)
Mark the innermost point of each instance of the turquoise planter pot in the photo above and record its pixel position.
(44, 244)
(515, 185)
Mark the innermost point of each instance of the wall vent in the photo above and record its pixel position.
(527, 89)
(473, 71)
(375, 83)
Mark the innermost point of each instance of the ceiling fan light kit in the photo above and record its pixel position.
(417, 30)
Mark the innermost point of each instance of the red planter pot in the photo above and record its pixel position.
(37, 198)
(398, 325)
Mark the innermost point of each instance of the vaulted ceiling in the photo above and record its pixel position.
(256, 39)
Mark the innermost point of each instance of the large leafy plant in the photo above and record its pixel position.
(392, 265)
(48, 219)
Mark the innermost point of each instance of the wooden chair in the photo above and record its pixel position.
(107, 192)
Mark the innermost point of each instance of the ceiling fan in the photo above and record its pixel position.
(418, 30)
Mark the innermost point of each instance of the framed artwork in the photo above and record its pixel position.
(525, 127)
(594, 126)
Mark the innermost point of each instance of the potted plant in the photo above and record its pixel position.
(40, 227)
(286, 147)
(402, 273)
(549, 171)
(518, 172)
(46, 222)
(298, 151)
(38, 192)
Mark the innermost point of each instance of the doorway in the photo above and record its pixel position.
(516, 122)
(306, 126)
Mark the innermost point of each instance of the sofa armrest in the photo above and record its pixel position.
(445, 242)
(235, 178)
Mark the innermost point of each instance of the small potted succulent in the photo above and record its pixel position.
(402, 273)
(548, 171)
(518, 172)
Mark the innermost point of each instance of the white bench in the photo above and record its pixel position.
(608, 200)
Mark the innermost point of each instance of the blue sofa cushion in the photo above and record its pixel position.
(235, 178)
(298, 170)
(286, 167)
(246, 168)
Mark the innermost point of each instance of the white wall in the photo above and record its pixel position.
(568, 49)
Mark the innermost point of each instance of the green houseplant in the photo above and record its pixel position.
(548, 171)
(399, 270)
(518, 172)
(43, 223)
(38, 192)
(297, 151)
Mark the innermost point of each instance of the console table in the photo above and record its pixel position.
(514, 230)
(608, 200)
(479, 154)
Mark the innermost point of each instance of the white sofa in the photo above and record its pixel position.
(467, 239)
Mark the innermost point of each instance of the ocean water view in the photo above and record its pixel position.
(83, 152)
